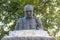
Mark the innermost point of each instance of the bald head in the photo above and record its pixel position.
(28, 7)
(28, 10)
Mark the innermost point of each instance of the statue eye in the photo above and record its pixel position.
(29, 11)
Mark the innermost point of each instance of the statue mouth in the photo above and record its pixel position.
(28, 17)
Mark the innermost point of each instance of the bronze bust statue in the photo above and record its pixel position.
(29, 22)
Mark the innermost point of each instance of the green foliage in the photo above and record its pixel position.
(47, 10)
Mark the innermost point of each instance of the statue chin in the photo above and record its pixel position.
(29, 17)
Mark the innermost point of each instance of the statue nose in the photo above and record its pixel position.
(29, 13)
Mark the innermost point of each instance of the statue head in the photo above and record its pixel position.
(28, 10)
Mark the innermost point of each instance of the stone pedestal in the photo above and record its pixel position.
(28, 35)
(28, 38)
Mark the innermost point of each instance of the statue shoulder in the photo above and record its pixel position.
(36, 18)
(20, 20)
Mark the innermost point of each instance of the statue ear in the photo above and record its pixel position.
(33, 11)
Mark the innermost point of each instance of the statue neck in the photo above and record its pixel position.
(29, 17)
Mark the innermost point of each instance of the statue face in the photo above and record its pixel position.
(28, 11)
